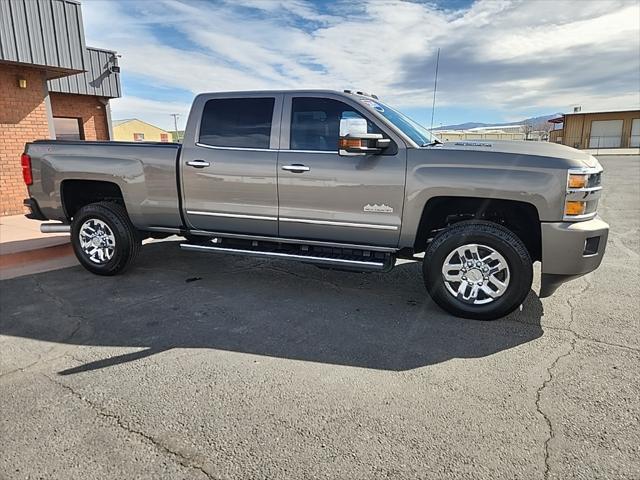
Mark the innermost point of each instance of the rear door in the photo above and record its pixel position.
(228, 164)
(324, 196)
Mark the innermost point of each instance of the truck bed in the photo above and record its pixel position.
(144, 172)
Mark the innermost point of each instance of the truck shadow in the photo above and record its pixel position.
(173, 299)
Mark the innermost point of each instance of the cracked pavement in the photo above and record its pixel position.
(203, 366)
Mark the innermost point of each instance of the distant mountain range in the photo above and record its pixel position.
(526, 121)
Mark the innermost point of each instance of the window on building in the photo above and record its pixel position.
(237, 122)
(634, 141)
(138, 137)
(68, 128)
(315, 123)
(606, 134)
(164, 137)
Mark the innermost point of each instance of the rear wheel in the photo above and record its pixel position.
(104, 239)
(478, 270)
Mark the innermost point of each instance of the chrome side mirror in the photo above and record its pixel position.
(354, 139)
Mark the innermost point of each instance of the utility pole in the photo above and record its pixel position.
(175, 124)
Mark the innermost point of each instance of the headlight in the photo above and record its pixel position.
(583, 193)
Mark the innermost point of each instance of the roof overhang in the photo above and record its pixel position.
(50, 72)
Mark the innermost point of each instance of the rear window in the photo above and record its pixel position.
(237, 122)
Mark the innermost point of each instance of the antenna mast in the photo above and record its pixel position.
(435, 88)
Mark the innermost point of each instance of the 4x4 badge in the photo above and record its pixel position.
(378, 208)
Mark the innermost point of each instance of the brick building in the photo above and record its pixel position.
(51, 85)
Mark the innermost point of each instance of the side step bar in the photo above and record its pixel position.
(363, 265)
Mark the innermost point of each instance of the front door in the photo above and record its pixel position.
(228, 169)
(324, 196)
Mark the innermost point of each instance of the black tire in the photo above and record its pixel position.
(127, 239)
(492, 235)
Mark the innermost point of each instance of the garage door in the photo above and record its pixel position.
(635, 133)
(605, 134)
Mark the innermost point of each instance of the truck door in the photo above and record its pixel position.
(228, 164)
(324, 196)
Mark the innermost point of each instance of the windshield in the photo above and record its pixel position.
(410, 128)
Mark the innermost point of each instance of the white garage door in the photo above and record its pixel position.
(605, 134)
(635, 133)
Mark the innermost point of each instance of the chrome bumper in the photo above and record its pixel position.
(570, 250)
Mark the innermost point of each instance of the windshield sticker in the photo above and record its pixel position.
(372, 104)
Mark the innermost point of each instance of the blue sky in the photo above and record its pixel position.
(501, 60)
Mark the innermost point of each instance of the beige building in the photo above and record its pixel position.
(598, 130)
(506, 132)
(134, 130)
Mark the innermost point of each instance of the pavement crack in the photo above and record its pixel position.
(549, 378)
(177, 456)
(63, 307)
(569, 328)
(32, 364)
(578, 336)
(547, 381)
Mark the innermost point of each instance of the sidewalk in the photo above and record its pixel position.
(24, 250)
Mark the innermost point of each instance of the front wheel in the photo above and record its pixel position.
(104, 239)
(478, 270)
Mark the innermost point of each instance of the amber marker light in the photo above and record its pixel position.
(578, 181)
(350, 143)
(575, 207)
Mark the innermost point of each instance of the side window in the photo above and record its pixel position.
(315, 123)
(237, 122)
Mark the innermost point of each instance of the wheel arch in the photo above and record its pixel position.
(75, 194)
(440, 212)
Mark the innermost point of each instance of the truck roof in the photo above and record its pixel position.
(359, 93)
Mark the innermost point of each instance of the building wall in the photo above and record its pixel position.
(23, 118)
(90, 109)
(577, 128)
(555, 136)
(451, 135)
(125, 131)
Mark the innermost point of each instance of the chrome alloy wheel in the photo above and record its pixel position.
(97, 241)
(475, 274)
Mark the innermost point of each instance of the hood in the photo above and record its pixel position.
(539, 149)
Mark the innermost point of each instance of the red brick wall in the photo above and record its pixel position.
(23, 118)
(89, 109)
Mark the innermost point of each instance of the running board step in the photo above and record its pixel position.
(361, 264)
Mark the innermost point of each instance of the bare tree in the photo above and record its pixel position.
(527, 128)
(544, 128)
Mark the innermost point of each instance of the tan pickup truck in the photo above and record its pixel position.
(338, 179)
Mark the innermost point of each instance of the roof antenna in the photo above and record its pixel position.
(435, 87)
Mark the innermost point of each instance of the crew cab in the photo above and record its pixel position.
(338, 179)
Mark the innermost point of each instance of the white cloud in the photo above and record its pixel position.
(497, 54)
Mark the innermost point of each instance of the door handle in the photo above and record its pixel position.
(198, 163)
(296, 168)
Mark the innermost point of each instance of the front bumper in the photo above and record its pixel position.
(570, 250)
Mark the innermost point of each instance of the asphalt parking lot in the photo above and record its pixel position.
(206, 366)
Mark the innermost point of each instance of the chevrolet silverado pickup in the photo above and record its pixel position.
(338, 179)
